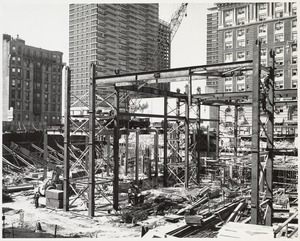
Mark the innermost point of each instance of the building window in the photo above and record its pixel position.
(228, 57)
(46, 97)
(262, 6)
(46, 87)
(294, 59)
(228, 35)
(46, 117)
(278, 14)
(240, 11)
(18, 83)
(13, 94)
(18, 105)
(27, 74)
(27, 117)
(228, 45)
(294, 72)
(13, 60)
(27, 106)
(13, 70)
(19, 60)
(262, 28)
(294, 23)
(278, 84)
(19, 94)
(241, 43)
(263, 52)
(240, 56)
(46, 107)
(279, 37)
(279, 26)
(13, 82)
(240, 21)
(240, 87)
(228, 88)
(279, 73)
(279, 50)
(263, 62)
(262, 17)
(294, 84)
(279, 60)
(46, 77)
(27, 95)
(263, 39)
(294, 48)
(228, 80)
(278, 4)
(294, 36)
(241, 32)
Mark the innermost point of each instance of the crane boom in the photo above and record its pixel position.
(177, 19)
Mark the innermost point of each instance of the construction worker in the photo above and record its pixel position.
(36, 199)
(134, 194)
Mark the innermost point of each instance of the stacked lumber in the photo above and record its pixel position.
(54, 198)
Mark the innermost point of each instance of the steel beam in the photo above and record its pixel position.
(255, 134)
(165, 140)
(67, 139)
(91, 143)
(270, 143)
(116, 150)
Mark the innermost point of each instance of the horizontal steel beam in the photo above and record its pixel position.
(153, 91)
(166, 75)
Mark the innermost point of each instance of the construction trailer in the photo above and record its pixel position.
(121, 88)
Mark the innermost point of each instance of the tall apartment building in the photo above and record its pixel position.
(120, 37)
(31, 83)
(239, 26)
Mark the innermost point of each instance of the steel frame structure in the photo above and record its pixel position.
(138, 83)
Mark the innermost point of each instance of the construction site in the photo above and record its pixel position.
(111, 172)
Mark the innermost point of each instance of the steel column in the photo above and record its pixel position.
(187, 143)
(45, 154)
(126, 149)
(177, 130)
(198, 142)
(67, 139)
(92, 132)
(108, 154)
(116, 150)
(165, 139)
(156, 157)
(137, 148)
(235, 131)
(270, 144)
(218, 134)
(208, 142)
(255, 134)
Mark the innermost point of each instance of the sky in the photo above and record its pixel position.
(45, 24)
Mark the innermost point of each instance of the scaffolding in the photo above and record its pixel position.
(137, 85)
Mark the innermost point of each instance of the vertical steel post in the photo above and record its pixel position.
(255, 134)
(165, 139)
(45, 155)
(208, 142)
(67, 139)
(187, 143)
(235, 131)
(270, 144)
(198, 142)
(92, 133)
(156, 156)
(149, 163)
(177, 130)
(137, 156)
(108, 154)
(126, 149)
(116, 150)
(218, 133)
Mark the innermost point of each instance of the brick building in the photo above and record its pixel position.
(32, 84)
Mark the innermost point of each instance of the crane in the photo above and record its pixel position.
(176, 19)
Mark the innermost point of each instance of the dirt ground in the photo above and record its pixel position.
(69, 225)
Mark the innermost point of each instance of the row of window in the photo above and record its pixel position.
(36, 118)
(35, 53)
(46, 66)
(18, 106)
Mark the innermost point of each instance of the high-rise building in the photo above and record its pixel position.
(117, 37)
(32, 84)
(239, 26)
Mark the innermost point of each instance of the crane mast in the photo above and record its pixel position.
(176, 19)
